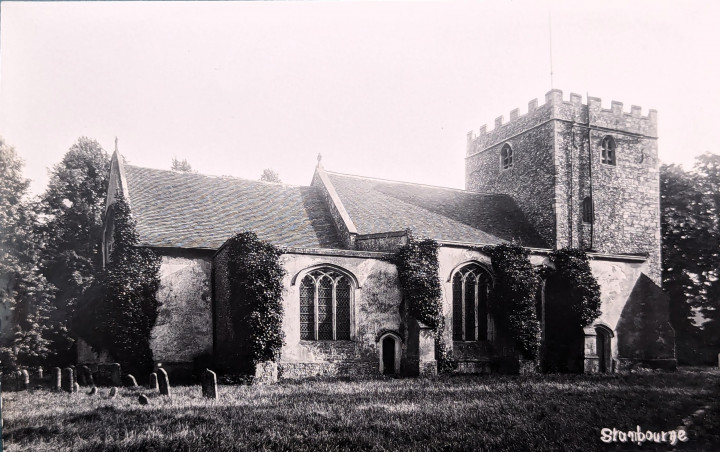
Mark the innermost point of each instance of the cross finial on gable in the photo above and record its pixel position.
(319, 159)
(116, 140)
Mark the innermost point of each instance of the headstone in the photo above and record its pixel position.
(115, 375)
(131, 382)
(23, 380)
(153, 381)
(265, 373)
(74, 371)
(55, 379)
(209, 384)
(113, 392)
(85, 377)
(163, 382)
(93, 391)
(40, 373)
(68, 383)
(76, 387)
(143, 399)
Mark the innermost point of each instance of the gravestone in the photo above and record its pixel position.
(265, 373)
(143, 399)
(85, 377)
(209, 384)
(131, 382)
(76, 387)
(40, 373)
(113, 392)
(23, 380)
(115, 374)
(153, 381)
(93, 391)
(68, 384)
(55, 379)
(163, 382)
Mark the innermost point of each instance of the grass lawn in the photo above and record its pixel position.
(544, 412)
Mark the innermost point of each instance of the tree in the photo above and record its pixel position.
(117, 313)
(23, 290)
(690, 240)
(269, 175)
(71, 225)
(181, 166)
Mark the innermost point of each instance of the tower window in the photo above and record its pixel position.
(608, 150)
(506, 155)
(588, 215)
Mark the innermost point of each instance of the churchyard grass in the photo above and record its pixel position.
(544, 412)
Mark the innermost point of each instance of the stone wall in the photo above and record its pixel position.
(184, 328)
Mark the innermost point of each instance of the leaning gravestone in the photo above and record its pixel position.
(113, 392)
(163, 381)
(55, 379)
(68, 383)
(153, 381)
(209, 384)
(131, 382)
(143, 399)
(93, 391)
(115, 375)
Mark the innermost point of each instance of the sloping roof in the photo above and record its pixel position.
(376, 205)
(195, 211)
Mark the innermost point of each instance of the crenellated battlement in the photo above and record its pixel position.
(572, 110)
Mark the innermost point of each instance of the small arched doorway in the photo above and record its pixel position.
(390, 354)
(603, 348)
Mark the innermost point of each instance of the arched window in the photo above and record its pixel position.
(587, 210)
(325, 306)
(471, 285)
(506, 156)
(608, 150)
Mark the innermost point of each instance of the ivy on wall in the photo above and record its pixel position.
(513, 302)
(574, 286)
(256, 294)
(118, 311)
(417, 264)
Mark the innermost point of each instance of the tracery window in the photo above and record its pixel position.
(506, 156)
(608, 150)
(325, 306)
(471, 285)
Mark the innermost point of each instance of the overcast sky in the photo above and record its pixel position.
(382, 89)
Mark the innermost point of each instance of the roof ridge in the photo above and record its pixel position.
(415, 183)
(225, 177)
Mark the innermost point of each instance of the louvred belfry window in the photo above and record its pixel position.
(325, 306)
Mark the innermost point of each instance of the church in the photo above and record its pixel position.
(564, 174)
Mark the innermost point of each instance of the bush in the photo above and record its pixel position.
(513, 302)
(256, 293)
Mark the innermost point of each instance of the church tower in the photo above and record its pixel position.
(585, 176)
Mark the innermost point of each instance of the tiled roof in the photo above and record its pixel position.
(195, 211)
(448, 214)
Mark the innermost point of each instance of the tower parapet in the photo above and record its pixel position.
(573, 111)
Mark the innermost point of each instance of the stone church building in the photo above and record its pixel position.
(565, 174)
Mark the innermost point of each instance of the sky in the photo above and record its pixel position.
(381, 89)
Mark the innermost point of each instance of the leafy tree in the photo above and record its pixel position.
(71, 225)
(23, 290)
(691, 240)
(117, 313)
(269, 175)
(181, 166)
